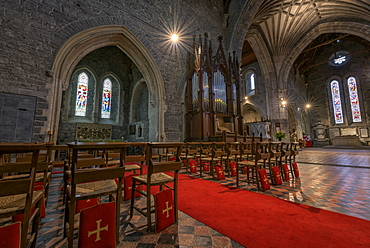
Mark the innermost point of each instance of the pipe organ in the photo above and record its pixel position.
(213, 102)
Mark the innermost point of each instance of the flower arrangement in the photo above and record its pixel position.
(279, 135)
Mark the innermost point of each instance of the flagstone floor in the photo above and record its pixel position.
(331, 179)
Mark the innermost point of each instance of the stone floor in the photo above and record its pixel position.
(331, 179)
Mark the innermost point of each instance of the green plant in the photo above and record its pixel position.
(280, 135)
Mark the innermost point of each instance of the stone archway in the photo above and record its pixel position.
(78, 46)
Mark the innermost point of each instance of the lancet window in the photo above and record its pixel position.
(337, 103)
(106, 99)
(354, 101)
(81, 97)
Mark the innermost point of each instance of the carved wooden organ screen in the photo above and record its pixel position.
(212, 96)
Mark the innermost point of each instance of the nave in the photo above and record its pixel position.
(331, 179)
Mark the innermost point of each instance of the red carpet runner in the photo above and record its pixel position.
(256, 220)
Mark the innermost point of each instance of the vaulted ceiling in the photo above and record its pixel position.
(282, 23)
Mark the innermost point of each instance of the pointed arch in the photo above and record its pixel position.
(251, 114)
(81, 44)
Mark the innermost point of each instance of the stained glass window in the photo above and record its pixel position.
(106, 99)
(81, 98)
(353, 96)
(194, 90)
(337, 105)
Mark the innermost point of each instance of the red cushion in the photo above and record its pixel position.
(164, 210)
(193, 166)
(264, 180)
(127, 187)
(10, 235)
(233, 169)
(296, 170)
(277, 175)
(220, 173)
(82, 204)
(286, 172)
(97, 226)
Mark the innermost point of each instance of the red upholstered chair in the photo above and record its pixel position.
(159, 174)
(17, 195)
(91, 183)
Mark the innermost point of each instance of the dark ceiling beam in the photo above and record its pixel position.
(325, 43)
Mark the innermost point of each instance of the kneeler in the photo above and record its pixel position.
(277, 175)
(295, 169)
(97, 226)
(164, 210)
(10, 235)
(220, 172)
(192, 165)
(264, 180)
(286, 172)
(233, 168)
(206, 167)
(127, 187)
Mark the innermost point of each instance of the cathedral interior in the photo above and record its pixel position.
(186, 71)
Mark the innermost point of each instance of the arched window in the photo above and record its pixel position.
(106, 99)
(337, 104)
(250, 83)
(354, 101)
(81, 97)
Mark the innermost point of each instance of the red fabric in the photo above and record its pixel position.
(97, 226)
(82, 204)
(192, 165)
(127, 187)
(197, 160)
(233, 169)
(164, 210)
(277, 175)
(10, 235)
(220, 173)
(19, 217)
(173, 159)
(264, 180)
(206, 167)
(262, 224)
(286, 172)
(296, 170)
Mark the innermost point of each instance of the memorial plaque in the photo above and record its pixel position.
(348, 131)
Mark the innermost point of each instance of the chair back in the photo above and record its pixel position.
(137, 154)
(22, 187)
(286, 149)
(206, 148)
(276, 149)
(263, 150)
(233, 149)
(193, 149)
(97, 170)
(156, 167)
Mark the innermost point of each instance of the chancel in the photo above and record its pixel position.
(262, 99)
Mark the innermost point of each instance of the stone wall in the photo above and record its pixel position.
(320, 76)
(33, 31)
